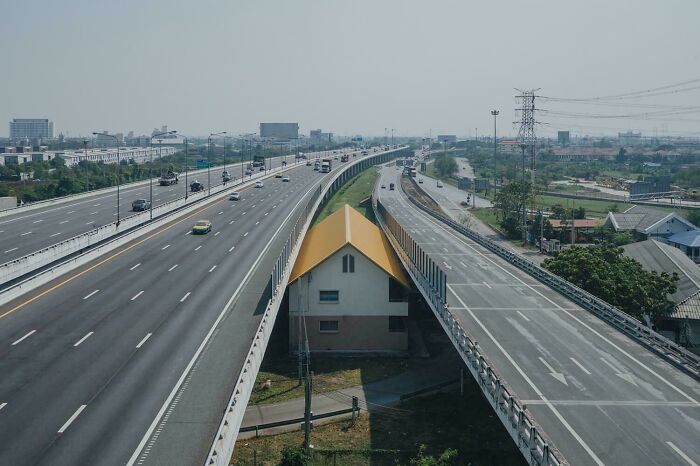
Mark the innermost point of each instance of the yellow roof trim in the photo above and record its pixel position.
(342, 227)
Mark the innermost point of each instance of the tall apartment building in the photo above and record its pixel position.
(31, 128)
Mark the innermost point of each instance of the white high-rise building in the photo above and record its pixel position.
(31, 128)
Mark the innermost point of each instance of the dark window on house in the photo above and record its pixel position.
(348, 263)
(328, 296)
(397, 323)
(328, 326)
(396, 291)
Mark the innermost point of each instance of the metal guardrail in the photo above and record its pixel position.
(29, 263)
(662, 346)
(430, 280)
(298, 420)
(225, 439)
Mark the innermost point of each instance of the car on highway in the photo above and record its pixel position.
(262, 169)
(278, 175)
(383, 186)
(308, 163)
(285, 179)
(234, 196)
(439, 184)
(420, 180)
(391, 186)
(139, 205)
(196, 186)
(248, 172)
(202, 227)
(258, 184)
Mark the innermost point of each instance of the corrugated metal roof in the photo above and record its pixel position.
(687, 238)
(342, 227)
(660, 257)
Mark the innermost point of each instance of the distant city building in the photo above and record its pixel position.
(449, 138)
(630, 138)
(563, 137)
(31, 128)
(316, 136)
(126, 154)
(104, 139)
(509, 146)
(279, 130)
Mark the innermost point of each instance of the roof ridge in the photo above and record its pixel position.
(348, 234)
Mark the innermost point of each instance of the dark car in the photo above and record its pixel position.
(196, 186)
(139, 205)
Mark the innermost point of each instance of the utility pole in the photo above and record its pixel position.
(523, 189)
(527, 137)
(87, 170)
(495, 176)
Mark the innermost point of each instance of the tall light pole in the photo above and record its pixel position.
(211, 135)
(87, 171)
(392, 137)
(495, 176)
(150, 164)
(116, 139)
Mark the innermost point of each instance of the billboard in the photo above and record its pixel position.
(279, 130)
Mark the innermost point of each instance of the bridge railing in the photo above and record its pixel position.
(431, 281)
(662, 346)
(224, 442)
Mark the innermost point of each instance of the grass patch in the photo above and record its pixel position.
(356, 190)
(439, 421)
(488, 216)
(329, 374)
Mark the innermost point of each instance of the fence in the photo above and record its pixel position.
(224, 441)
(522, 428)
(662, 346)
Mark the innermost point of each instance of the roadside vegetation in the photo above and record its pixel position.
(438, 429)
(356, 192)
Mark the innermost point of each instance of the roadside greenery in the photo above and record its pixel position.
(509, 206)
(619, 280)
(445, 165)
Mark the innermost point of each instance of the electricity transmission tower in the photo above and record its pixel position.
(528, 142)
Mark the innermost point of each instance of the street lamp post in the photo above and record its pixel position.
(150, 164)
(87, 170)
(495, 176)
(116, 139)
(211, 135)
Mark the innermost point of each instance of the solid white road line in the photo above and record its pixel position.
(165, 247)
(182, 300)
(198, 248)
(135, 266)
(523, 316)
(172, 268)
(204, 342)
(188, 233)
(77, 343)
(24, 337)
(71, 419)
(71, 212)
(148, 335)
(681, 454)
(580, 366)
(212, 269)
(137, 295)
(10, 250)
(527, 379)
(91, 294)
(2, 405)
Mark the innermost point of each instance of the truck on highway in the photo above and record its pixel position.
(225, 176)
(258, 161)
(344, 158)
(326, 165)
(168, 178)
(414, 172)
(317, 165)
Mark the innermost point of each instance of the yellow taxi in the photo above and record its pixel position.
(202, 227)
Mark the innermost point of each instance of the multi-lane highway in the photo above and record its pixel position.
(599, 396)
(27, 231)
(89, 360)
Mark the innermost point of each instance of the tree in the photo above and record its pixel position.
(509, 204)
(694, 217)
(446, 458)
(294, 456)
(619, 280)
(445, 165)
(580, 213)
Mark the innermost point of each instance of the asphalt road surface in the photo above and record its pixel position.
(599, 396)
(88, 360)
(29, 231)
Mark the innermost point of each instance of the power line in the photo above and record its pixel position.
(635, 94)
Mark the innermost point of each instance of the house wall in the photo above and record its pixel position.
(362, 311)
(668, 228)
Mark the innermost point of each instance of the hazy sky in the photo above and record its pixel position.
(350, 67)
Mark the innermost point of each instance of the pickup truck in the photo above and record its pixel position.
(196, 186)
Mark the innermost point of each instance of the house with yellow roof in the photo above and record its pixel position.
(348, 289)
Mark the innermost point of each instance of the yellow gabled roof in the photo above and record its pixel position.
(347, 226)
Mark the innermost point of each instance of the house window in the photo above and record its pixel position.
(348, 263)
(397, 324)
(328, 296)
(328, 326)
(396, 291)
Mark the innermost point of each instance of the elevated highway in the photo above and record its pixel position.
(130, 359)
(594, 395)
